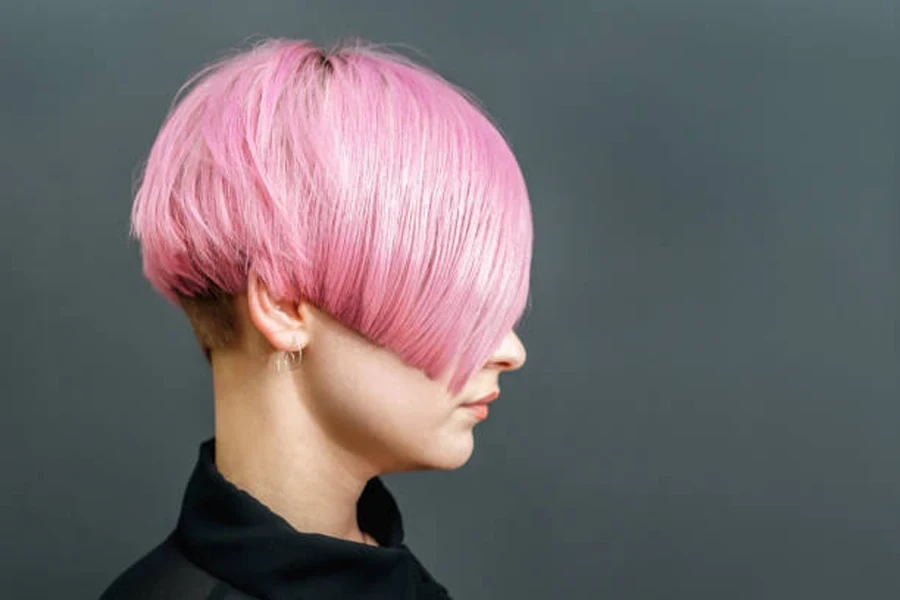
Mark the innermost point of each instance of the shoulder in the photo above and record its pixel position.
(165, 573)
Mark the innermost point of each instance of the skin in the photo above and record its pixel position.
(305, 441)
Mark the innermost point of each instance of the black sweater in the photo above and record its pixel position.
(228, 546)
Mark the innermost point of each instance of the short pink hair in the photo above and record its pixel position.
(353, 179)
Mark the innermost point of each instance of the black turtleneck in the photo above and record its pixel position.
(227, 545)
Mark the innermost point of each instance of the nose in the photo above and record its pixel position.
(510, 355)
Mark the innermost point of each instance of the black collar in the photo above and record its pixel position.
(228, 533)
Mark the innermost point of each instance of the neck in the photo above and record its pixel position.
(271, 447)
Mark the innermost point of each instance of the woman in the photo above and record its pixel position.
(350, 239)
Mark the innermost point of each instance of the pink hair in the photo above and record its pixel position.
(354, 179)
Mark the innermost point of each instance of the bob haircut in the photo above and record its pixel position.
(353, 179)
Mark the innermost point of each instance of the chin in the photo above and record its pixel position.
(454, 454)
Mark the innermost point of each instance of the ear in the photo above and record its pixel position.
(281, 322)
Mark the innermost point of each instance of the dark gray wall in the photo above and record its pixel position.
(710, 407)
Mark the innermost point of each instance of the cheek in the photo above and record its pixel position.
(399, 424)
(384, 402)
(397, 409)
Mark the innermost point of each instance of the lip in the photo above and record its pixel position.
(484, 401)
(479, 411)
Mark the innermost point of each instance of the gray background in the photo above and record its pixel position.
(709, 409)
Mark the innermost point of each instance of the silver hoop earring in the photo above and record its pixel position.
(290, 360)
